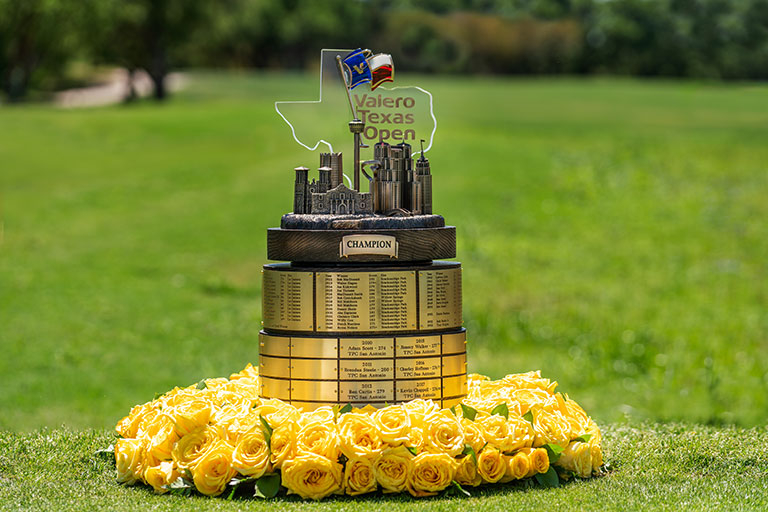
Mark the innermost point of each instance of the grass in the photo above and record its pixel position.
(664, 467)
(612, 234)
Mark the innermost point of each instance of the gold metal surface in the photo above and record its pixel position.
(455, 343)
(455, 386)
(287, 300)
(364, 348)
(314, 390)
(324, 369)
(455, 365)
(357, 369)
(447, 404)
(274, 345)
(418, 346)
(420, 367)
(412, 389)
(274, 367)
(362, 391)
(440, 298)
(325, 348)
(275, 388)
(366, 301)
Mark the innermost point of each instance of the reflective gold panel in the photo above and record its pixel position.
(362, 391)
(314, 390)
(455, 386)
(326, 348)
(357, 369)
(364, 348)
(455, 343)
(324, 369)
(447, 404)
(366, 301)
(412, 389)
(418, 346)
(275, 388)
(287, 300)
(455, 365)
(440, 298)
(274, 367)
(418, 368)
(274, 345)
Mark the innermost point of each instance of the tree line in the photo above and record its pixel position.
(42, 41)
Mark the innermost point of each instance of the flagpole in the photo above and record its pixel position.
(356, 126)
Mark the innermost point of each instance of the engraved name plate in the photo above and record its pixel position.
(287, 300)
(420, 367)
(440, 298)
(418, 346)
(364, 348)
(357, 369)
(412, 389)
(362, 391)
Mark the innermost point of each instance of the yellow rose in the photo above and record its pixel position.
(518, 466)
(521, 433)
(358, 435)
(251, 454)
(466, 472)
(496, 431)
(491, 465)
(538, 458)
(359, 477)
(415, 439)
(214, 470)
(392, 468)
(431, 473)
(418, 409)
(322, 414)
(312, 476)
(128, 427)
(393, 423)
(473, 434)
(550, 427)
(597, 455)
(443, 433)
(319, 438)
(577, 458)
(159, 477)
(190, 448)
(190, 415)
(283, 444)
(161, 437)
(129, 459)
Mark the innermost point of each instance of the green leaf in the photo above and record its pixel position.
(157, 395)
(201, 384)
(468, 412)
(501, 410)
(459, 489)
(180, 487)
(344, 410)
(453, 410)
(412, 450)
(468, 450)
(584, 438)
(553, 452)
(335, 410)
(548, 479)
(267, 431)
(108, 453)
(267, 486)
(528, 417)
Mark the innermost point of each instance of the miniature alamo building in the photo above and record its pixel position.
(396, 187)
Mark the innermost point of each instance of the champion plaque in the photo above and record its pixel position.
(363, 308)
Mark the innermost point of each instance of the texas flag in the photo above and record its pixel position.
(363, 67)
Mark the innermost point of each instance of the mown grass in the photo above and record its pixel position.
(664, 467)
(612, 234)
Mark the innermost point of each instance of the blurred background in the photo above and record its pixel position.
(604, 162)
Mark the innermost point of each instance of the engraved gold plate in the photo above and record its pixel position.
(366, 301)
(455, 386)
(274, 345)
(275, 367)
(412, 389)
(418, 368)
(276, 388)
(455, 365)
(364, 348)
(325, 348)
(418, 346)
(287, 300)
(356, 369)
(323, 369)
(314, 390)
(362, 391)
(440, 298)
(455, 343)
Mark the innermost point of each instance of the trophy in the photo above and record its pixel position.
(363, 308)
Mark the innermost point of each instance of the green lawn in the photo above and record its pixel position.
(613, 234)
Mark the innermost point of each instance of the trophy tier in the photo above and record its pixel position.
(366, 335)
